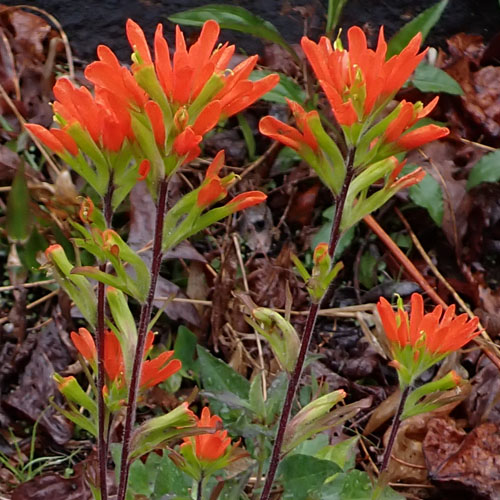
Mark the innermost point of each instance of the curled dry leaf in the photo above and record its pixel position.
(459, 461)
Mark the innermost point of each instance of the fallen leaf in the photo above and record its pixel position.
(464, 462)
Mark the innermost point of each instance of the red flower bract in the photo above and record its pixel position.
(358, 81)
(439, 333)
(209, 447)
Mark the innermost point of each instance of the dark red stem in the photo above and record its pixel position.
(394, 431)
(306, 339)
(141, 340)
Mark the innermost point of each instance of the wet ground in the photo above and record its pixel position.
(88, 23)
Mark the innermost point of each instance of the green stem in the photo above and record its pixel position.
(102, 443)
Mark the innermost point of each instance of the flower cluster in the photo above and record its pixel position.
(420, 340)
(204, 454)
(154, 371)
(358, 83)
(158, 111)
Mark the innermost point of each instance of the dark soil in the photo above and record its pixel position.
(89, 23)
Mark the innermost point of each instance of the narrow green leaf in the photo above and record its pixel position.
(287, 88)
(335, 8)
(423, 23)
(233, 18)
(246, 130)
(487, 169)
(18, 209)
(428, 78)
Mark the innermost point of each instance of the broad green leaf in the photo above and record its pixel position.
(323, 236)
(185, 348)
(18, 209)
(423, 23)
(287, 88)
(428, 78)
(354, 485)
(233, 18)
(304, 474)
(487, 169)
(367, 270)
(218, 376)
(343, 453)
(170, 479)
(276, 396)
(427, 194)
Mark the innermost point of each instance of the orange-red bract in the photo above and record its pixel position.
(439, 333)
(209, 447)
(153, 371)
(84, 343)
(357, 81)
(184, 76)
(292, 137)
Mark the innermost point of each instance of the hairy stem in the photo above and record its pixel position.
(306, 339)
(102, 443)
(394, 431)
(142, 332)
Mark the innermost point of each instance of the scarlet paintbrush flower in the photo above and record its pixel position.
(144, 168)
(155, 115)
(159, 369)
(101, 117)
(408, 115)
(153, 371)
(185, 77)
(420, 340)
(421, 136)
(109, 75)
(359, 81)
(209, 447)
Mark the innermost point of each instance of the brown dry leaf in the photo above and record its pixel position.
(438, 159)
(382, 413)
(267, 280)
(52, 487)
(483, 402)
(223, 287)
(36, 385)
(408, 444)
(255, 226)
(480, 104)
(459, 461)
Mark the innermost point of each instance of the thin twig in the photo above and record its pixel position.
(27, 285)
(257, 337)
(456, 296)
(403, 259)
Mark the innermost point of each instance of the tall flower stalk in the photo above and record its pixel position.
(358, 84)
(142, 331)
